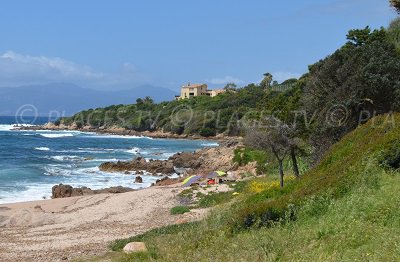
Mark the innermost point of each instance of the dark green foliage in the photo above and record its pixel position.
(244, 156)
(202, 115)
(390, 157)
(356, 82)
(207, 132)
(394, 33)
(396, 5)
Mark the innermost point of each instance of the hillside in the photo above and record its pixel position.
(226, 113)
(344, 209)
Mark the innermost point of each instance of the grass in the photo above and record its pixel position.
(179, 210)
(345, 209)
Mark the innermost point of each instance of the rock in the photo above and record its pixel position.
(113, 190)
(62, 191)
(185, 160)
(138, 179)
(166, 181)
(133, 247)
(139, 164)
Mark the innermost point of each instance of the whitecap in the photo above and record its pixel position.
(67, 158)
(6, 127)
(134, 151)
(56, 170)
(42, 148)
(119, 136)
(56, 135)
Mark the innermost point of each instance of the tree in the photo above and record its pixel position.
(394, 32)
(148, 100)
(360, 78)
(272, 137)
(396, 5)
(230, 87)
(266, 82)
(139, 102)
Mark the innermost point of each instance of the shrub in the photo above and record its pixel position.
(179, 210)
(207, 132)
(390, 157)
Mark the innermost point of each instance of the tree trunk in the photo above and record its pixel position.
(281, 172)
(294, 161)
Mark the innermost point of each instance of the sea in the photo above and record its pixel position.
(32, 162)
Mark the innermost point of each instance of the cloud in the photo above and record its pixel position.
(225, 80)
(18, 69)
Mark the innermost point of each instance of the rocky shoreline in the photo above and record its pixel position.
(201, 162)
(120, 131)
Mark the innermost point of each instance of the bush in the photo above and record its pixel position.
(179, 210)
(207, 132)
(391, 156)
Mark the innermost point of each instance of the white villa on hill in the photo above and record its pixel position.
(191, 90)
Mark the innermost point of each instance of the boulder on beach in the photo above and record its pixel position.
(62, 191)
(134, 247)
(138, 179)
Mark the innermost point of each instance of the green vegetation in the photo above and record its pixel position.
(396, 5)
(199, 115)
(179, 210)
(213, 199)
(336, 119)
(346, 208)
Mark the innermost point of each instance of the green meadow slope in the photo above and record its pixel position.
(345, 209)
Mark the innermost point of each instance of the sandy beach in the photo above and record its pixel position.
(78, 227)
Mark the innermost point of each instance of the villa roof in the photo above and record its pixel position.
(193, 85)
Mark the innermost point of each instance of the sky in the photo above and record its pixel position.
(108, 45)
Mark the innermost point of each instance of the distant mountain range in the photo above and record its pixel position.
(69, 98)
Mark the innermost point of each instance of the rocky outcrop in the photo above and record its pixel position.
(200, 162)
(153, 166)
(185, 160)
(166, 181)
(206, 160)
(61, 191)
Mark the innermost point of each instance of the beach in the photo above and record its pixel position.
(79, 227)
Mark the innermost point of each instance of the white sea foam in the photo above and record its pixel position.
(119, 136)
(165, 156)
(32, 192)
(42, 148)
(57, 135)
(134, 151)
(57, 170)
(67, 158)
(210, 144)
(6, 127)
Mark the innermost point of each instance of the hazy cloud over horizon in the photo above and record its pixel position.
(19, 69)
